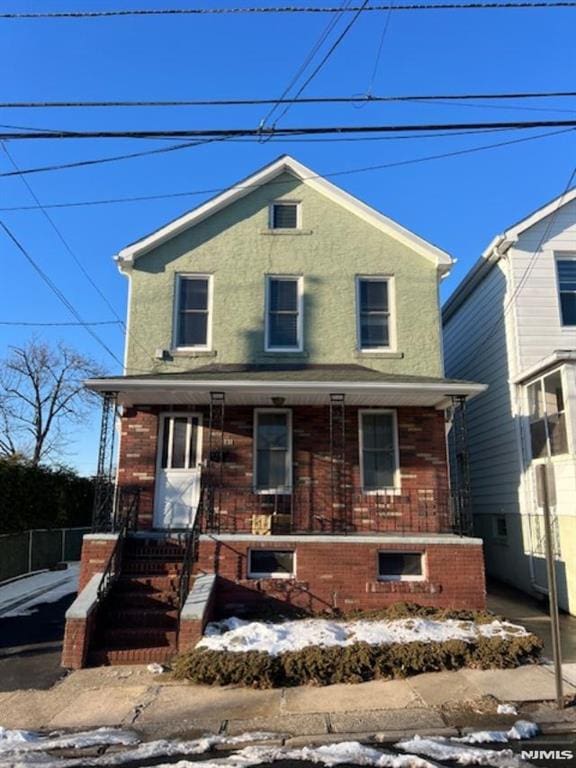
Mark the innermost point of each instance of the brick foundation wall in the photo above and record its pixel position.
(423, 465)
(342, 574)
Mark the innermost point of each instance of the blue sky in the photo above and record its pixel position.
(459, 203)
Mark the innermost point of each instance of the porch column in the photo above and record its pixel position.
(215, 456)
(460, 468)
(102, 511)
(338, 490)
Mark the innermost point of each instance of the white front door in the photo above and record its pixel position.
(178, 470)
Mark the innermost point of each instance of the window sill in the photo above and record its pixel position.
(193, 352)
(360, 354)
(281, 232)
(267, 356)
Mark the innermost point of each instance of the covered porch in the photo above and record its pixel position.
(283, 450)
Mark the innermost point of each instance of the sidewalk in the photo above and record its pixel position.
(158, 707)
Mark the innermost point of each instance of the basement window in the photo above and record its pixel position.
(285, 215)
(270, 563)
(400, 566)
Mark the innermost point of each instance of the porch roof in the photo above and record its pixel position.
(297, 384)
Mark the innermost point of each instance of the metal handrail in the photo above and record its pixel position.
(190, 554)
(125, 520)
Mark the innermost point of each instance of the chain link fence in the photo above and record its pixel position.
(37, 549)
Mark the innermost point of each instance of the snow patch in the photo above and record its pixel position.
(438, 749)
(236, 634)
(522, 729)
(506, 709)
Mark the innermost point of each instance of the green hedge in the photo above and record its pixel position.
(355, 663)
(42, 497)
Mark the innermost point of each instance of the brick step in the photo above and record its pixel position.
(161, 617)
(146, 583)
(129, 599)
(150, 567)
(128, 638)
(103, 657)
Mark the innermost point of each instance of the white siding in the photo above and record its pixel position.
(475, 349)
(536, 304)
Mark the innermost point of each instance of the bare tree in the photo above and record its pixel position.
(41, 395)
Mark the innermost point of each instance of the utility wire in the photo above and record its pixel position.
(20, 323)
(57, 292)
(380, 49)
(302, 131)
(325, 58)
(413, 161)
(61, 237)
(315, 48)
(278, 9)
(301, 100)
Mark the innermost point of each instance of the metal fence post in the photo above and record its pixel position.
(30, 532)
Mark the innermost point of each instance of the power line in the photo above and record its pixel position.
(20, 323)
(302, 68)
(61, 237)
(57, 292)
(302, 131)
(329, 53)
(279, 9)
(368, 98)
(102, 160)
(172, 195)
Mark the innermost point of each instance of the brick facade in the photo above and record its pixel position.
(96, 552)
(342, 574)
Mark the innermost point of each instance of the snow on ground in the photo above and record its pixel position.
(25, 749)
(22, 597)
(236, 634)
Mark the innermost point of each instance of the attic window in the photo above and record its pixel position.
(285, 215)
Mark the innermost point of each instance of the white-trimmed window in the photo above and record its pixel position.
(284, 214)
(193, 311)
(284, 300)
(401, 566)
(547, 416)
(273, 450)
(373, 302)
(379, 464)
(270, 563)
(566, 269)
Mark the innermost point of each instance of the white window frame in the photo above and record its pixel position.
(298, 226)
(175, 320)
(562, 256)
(567, 416)
(389, 489)
(391, 347)
(272, 574)
(423, 559)
(299, 279)
(166, 418)
(287, 489)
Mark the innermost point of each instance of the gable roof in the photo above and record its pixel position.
(284, 164)
(497, 248)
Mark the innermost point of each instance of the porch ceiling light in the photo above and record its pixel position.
(278, 402)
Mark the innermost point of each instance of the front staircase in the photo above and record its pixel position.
(137, 622)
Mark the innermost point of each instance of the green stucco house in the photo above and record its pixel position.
(283, 424)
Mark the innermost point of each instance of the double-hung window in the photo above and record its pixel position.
(373, 308)
(566, 268)
(547, 416)
(193, 311)
(378, 450)
(283, 314)
(272, 451)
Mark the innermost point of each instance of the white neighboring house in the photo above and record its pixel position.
(511, 324)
